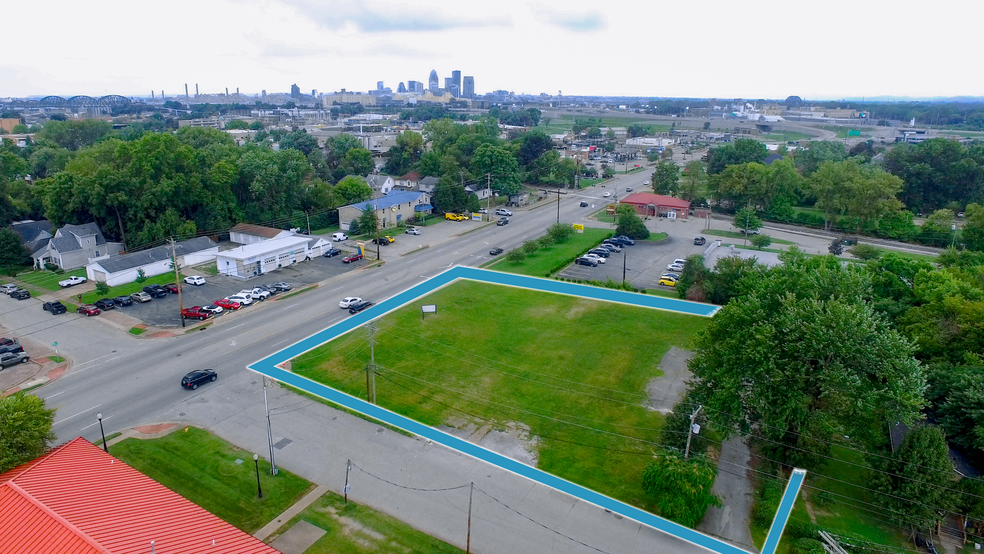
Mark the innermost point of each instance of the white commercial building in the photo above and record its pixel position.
(263, 257)
(125, 268)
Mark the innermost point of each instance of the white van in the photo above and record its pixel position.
(339, 236)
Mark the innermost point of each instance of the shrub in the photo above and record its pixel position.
(560, 232)
(767, 499)
(760, 241)
(865, 252)
(545, 241)
(354, 227)
(516, 256)
(681, 488)
(102, 288)
(808, 546)
(530, 247)
(141, 277)
(50, 267)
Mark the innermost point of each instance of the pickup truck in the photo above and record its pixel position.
(195, 313)
(71, 281)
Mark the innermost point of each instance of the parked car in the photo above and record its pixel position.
(12, 346)
(359, 306)
(586, 261)
(198, 377)
(348, 301)
(503, 211)
(584, 204)
(171, 288)
(495, 251)
(331, 252)
(88, 310)
(155, 291)
(748, 232)
(336, 237)
(675, 267)
(617, 241)
(595, 257)
(624, 241)
(8, 359)
(8, 288)
(502, 221)
(259, 293)
(123, 301)
(281, 286)
(20, 294)
(54, 307)
(71, 281)
(213, 310)
(600, 251)
(195, 312)
(667, 282)
(674, 276)
(242, 299)
(228, 304)
(414, 230)
(456, 217)
(607, 194)
(5, 341)
(680, 261)
(352, 258)
(196, 280)
(699, 241)
(645, 183)
(269, 288)
(141, 297)
(628, 189)
(383, 240)
(105, 304)
(610, 247)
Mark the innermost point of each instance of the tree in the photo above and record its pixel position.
(357, 161)
(352, 189)
(936, 172)
(236, 124)
(747, 220)
(629, 223)
(954, 393)
(405, 153)
(916, 479)
(836, 248)
(707, 125)
(610, 134)
(532, 145)
(12, 250)
(19, 129)
(560, 232)
(501, 164)
(695, 280)
(516, 256)
(694, 179)
(810, 158)
(865, 252)
(367, 220)
(665, 177)
(76, 134)
(865, 193)
(594, 132)
(26, 424)
(607, 172)
(798, 353)
(937, 230)
(738, 152)
(760, 241)
(680, 487)
(972, 233)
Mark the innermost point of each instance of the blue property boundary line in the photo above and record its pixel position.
(785, 508)
(269, 367)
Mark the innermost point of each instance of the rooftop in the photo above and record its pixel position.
(137, 259)
(392, 199)
(646, 198)
(260, 248)
(256, 230)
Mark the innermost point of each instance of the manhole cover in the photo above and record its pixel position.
(279, 445)
(238, 461)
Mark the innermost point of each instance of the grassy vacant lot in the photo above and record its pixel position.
(498, 355)
(130, 288)
(546, 260)
(785, 135)
(736, 235)
(48, 280)
(202, 468)
(355, 529)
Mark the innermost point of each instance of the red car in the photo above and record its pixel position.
(226, 304)
(172, 288)
(88, 309)
(352, 258)
(195, 312)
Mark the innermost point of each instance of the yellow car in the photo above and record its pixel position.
(667, 282)
(455, 217)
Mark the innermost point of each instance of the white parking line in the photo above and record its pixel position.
(54, 395)
(76, 415)
(96, 423)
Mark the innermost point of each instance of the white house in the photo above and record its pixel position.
(481, 192)
(381, 185)
(245, 233)
(74, 246)
(258, 258)
(125, 268)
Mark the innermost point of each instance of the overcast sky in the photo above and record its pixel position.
(712, 48)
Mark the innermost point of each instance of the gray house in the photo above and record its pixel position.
(74, 246)
(32, 233)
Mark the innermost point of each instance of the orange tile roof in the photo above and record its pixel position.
(646, 198)
(79, 499)
(257, 230)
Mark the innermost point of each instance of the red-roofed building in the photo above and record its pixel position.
(81, 500)
(652, 205)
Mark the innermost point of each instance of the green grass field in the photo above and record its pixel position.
(781, 135)
(48, 280)
(202, 468)
(130, 288)
(496, 355)
(558, 125)
(355, 529)
(737, 235)
(546, 260)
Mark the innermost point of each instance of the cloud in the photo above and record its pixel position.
(379, 18)
(577, 22)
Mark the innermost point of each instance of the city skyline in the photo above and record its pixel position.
(524, 47)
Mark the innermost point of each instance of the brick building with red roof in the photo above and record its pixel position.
(649, 204)
(82, 500)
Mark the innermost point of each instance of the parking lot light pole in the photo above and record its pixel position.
(99, 416)
(266, 405)
(256, 463)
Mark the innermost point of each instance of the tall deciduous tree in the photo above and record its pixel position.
(26, 429)
(863, 192)
(405, 153)
(810, 158)
(629, 223)
(352, 189)
(741, 151)
(914, 481)
(972, 233)
(76, 134)
(501, 164)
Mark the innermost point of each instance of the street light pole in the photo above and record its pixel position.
(266, 405)
(256, 463)
(99, 416)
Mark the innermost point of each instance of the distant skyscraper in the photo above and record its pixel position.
(412, 86)
(379, 85)
(401, 88)
(456, 81)
(469, 87)
(295, 91)
(447, 83)
(432, 82)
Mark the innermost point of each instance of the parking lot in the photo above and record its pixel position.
(163, 312)
(644, 263)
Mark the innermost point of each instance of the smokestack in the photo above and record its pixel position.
(186, 90)
(152, 97)
(237, 91)
(227, 91)
(162, 95)
(196, 90)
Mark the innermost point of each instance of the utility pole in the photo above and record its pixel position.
(690, 431)
(266, 405)
(308, 216)
(471, 490)
(348, 466)
(623, 266)
(488, 207)
(558, 193)
(375, 216)
(177, 282)
(371, 366)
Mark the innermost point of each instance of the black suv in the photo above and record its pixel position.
(603, 252)
(54, 307)
(20, 294)
(197, 377)
(123, 301)
(156, 291)
(11, 347)
(106, 304)
(8, 359)
(359, 306)
(699, 241)
(331, 252)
